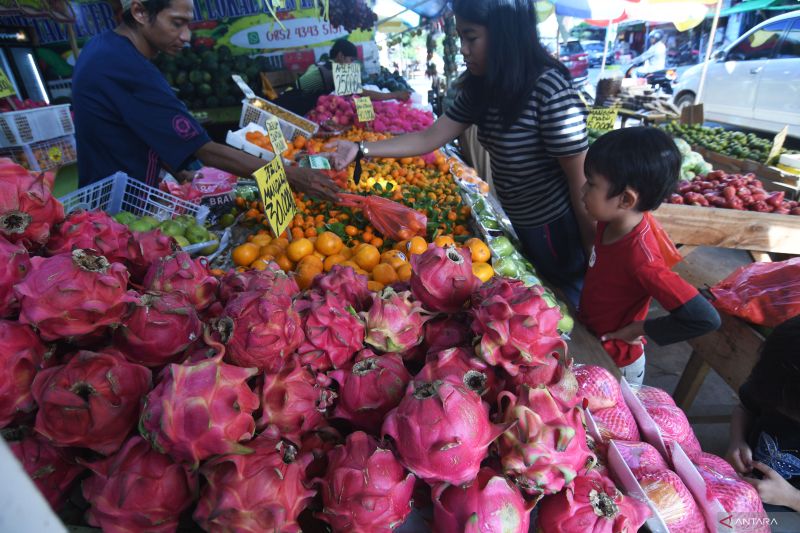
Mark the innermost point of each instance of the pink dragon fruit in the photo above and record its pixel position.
(255, 493)
(651, 396)
(591, 504)
(673, 501)
(674, 425)
(641, 457)
(489, 504)
(365, 488)
(547, 371)
(349, 287)
(442, 432)
(92, 401)
(73, 295)
(506, 288)
(442, 278)
(370, 389)
(14, 266)
(461, 368)
(145, 248)
(450, 331)
(319, 443)
(294, 401)
(50, 468)
(28, 210)
(394, 323)
(200, 410)
(158, 331)
(21, 355)
(544, 448)
(334, 333)
(271, 279)
(560, 382)
(516, 331)
(267, 330)
(179, 272)
(91, 229)
(616, 423)
(734, 494)
(138, 489)
(598, 386)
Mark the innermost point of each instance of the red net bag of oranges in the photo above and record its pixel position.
(393, 220)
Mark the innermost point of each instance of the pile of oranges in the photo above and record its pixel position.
(309, 256)
(262, 141)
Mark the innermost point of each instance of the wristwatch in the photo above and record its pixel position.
(362, 149)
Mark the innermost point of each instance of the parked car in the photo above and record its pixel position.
(595, 51)
(754, 82)
(575, 58)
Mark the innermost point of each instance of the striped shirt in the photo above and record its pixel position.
(529, 181)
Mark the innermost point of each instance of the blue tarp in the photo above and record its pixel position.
(424, 8)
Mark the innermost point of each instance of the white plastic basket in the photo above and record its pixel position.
(35, 125)
(291, 123)
(43, 155)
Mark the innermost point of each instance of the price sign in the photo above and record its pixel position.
(55, 154)
(777, 145)
(364, 109)
(602, 118)
(276, 136)
(276, 195)
(248, 92)
(6, 89)
(347, 79)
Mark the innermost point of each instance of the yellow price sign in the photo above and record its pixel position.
(364, 109)
(6, 89)
(347, 79)
(276, 136)
(602, 118)
(276, 195)
(777, 145)
(55, 154)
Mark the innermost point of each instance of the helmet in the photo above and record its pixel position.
(656, 35)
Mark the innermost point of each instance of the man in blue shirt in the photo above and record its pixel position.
(127, 118)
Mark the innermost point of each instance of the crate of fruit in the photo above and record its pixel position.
(259, 111)
(44, 155)
(35, 125)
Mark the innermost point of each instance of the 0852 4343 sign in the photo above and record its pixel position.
(276, 195)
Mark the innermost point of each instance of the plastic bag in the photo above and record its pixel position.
(667, 248)
(673, 501)
(393, 220)
(761, 293)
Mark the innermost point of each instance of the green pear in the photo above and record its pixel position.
(173, 229)
(197, 234)
(182, 241)
(140, 226)
(151, 221)
(124, 217)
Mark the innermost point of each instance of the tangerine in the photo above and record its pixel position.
(332, 260)
(245, 254)
(298, 249)
(367, 257)
(479, 251)
(404, 272)
(384, 273)
(444, 240)
(416, 246)
(483, 271)
(329, 243)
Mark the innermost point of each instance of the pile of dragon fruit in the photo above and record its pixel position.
(390, 116)
(148, 393)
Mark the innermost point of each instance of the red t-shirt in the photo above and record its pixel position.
(622, 278)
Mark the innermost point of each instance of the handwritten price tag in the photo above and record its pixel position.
(276, 195)
(276, 136)
(364, 109)
(6, 89)
(347, 79)
(777, 145)
(55, 154)
(602, 118)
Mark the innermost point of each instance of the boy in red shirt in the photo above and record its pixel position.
(628, 174)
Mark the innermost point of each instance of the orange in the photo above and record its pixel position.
(266, 257)
(332, 260)
(483, 271)
(444, 240)
(404, 272)
(479, 251)
(311, 261)
(329, 243)
(246, 253)
(259, 264)
(352, 231)
(375, 286)
(389, 254)
(284, 262)
(384, 273)
(304, 276)
(416, 246)
(283, 242)
(299, 248)
(401, 246)
(271, 249)
(350, 264)
(261, 240)
(377, 242)
(311, 232)
(346, 252)
(395, 262)
(367, 257)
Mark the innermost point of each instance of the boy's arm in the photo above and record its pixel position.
(694, 318)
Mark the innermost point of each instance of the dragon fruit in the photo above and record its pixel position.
(334, 333)
(158, 331)
(598, 386)
(545, 447)
(21, 355)
(674, 425)
(641, 457)
(259, 492)
(370, 389)
(91, 229)
(673, 501)
(200, 410)
(138, 489)
(450, 331)
(489, 504)
(349, 287)
(92, 401)
(179, 272)
(50, 468)
(73, 295)
(591, 504)
(271, 279)
(461, 368)
(547, 371)
(267, 330)
(616, 423)
(442, 431)
(319, 443)
(14, 266)
(516, 331)
(394, 323)
(442, 278)
(145, 248)
(28, 210)
(295, 401)
(365, 488)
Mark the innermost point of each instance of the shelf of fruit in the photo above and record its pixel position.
(731, 143)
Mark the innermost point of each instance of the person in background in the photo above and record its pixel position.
(765, 427)
(655, 58)
(127, 118)
(629, 172)
(318, 80)
(531, 122)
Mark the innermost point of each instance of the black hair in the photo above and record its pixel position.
(775, 377)
(153, 8)
(516, 58)
(345, 47)
(644, 159)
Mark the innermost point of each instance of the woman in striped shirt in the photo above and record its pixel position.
(532, 123)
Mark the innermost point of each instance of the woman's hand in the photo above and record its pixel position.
(740, 457)
(314, 184)
(773, 489)
(342, 153)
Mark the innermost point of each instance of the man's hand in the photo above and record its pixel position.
(342, 153)
(773, 489)
(632, 333)
(314, 184)
(740, 457)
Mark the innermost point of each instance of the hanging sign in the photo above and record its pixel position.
(276, 136)
(248, 92)
(347, 79)
(276, 195)
(364, 109)
(6, 89)
(777, 145)
(602, 118)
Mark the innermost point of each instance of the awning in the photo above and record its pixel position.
(425, 8)
(785, 7)
(747, 5)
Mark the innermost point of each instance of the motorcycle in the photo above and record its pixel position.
(660, 79)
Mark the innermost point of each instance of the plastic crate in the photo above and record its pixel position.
(43, 155)
(291, 123)
(35, 125)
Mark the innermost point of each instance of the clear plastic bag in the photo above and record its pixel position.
(393, 220)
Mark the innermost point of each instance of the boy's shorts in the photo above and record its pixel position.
(634, 372)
